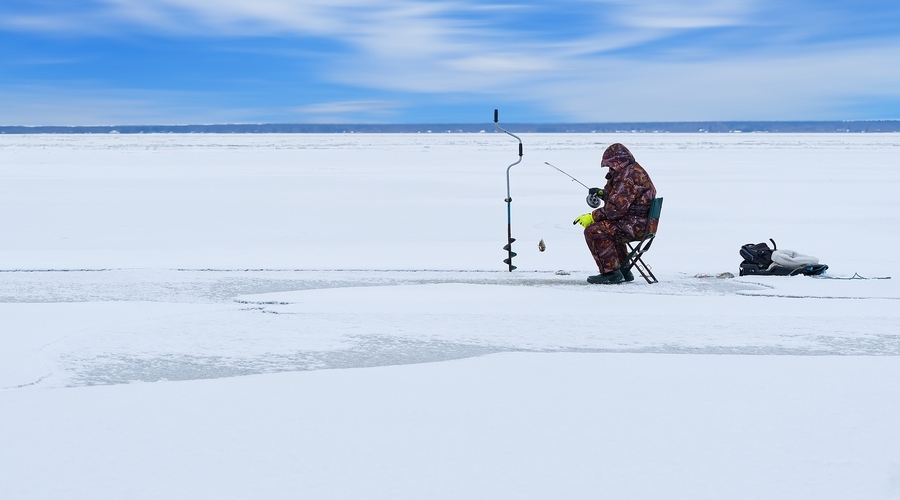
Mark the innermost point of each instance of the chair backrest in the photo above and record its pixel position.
(655, 208)
(653, 216)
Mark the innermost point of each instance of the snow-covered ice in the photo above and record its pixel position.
(328, 316)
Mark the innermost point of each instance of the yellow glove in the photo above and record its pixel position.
(585, 220)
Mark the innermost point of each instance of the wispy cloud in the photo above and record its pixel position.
(37, 105)
(685, 15)
(574, 59)
(762, 88)
(347, 111)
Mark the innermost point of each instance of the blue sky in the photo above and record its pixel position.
(114, 62)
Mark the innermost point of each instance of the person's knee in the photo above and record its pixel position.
(599, 229)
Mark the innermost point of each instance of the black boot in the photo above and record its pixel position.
(626, 273)
(610, 278)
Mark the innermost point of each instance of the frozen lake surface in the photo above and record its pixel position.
(153, 325)
(328, 316)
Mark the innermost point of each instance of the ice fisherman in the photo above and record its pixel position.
(624, 216)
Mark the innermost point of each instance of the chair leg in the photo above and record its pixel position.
(634, 258)
(644, 269)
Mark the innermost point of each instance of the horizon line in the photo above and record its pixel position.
(693, 126)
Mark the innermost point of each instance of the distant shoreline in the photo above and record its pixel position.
(864, 126)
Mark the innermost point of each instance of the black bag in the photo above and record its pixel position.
(758, 254)
(758, 260)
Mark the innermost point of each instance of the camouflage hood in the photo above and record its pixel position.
(616, 156)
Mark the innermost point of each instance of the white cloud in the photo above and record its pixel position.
(501, 63)
(347, 111)
(37, 23)
(339, 19)
(64, 105)
(683, 22)
(681, 14)
(808, 86)
(458, 47)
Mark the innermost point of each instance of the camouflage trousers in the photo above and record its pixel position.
(606, 240)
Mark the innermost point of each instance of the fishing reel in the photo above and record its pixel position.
(595, 197)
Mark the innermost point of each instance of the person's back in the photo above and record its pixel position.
(628, 192)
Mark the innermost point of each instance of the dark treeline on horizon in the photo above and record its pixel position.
(873, 126)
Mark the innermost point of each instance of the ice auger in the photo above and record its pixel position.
(510, 239)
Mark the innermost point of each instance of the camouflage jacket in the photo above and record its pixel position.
(627, 193)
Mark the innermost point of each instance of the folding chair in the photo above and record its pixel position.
(636, 249)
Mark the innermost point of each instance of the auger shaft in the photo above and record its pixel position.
(509, 238)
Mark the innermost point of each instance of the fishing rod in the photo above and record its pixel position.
(508, 200)
(594, 197)
(566, 174)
